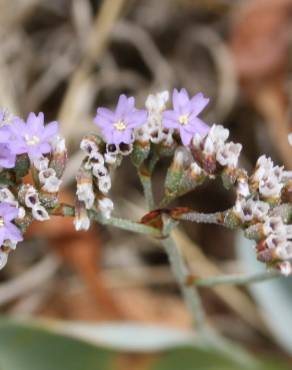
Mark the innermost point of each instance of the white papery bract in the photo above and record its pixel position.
(248, 210)
(228, 154)
(153, 130)
(105, 206)
(85, 194)
(40, 213)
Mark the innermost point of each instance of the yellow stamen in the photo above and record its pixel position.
(184, 119)
(1, 222)
(34, 140)
(120, 126)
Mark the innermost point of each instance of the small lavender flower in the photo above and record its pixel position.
(184, 115)
(8, 231)
(32, 137)
(117, 127)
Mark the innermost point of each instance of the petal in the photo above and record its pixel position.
(185, 136)
(108, 136)
(4, 135)
(121, 106)
(170, 119)
(43, 148)
(126, 137)
(196, 125)
(34, 122)
(10, 213)
(18, 127)
(136, 118)
(198, 103)
(7, 158)
(117, 137)
(105, 114)
(13, 232)
(170, 124)
(50, 130)
(35, 152)
(103, 123)
(180, 98)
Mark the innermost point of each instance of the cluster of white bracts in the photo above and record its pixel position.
(214, 144)
(251, 210)
(152, 130)
(268, 178)
(29, 197)
(255, 199)
(96, 163)
(278, 240)
(7, 197)
(95, 174)
(47, 175)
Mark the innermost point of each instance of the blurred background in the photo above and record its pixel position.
(66, 58)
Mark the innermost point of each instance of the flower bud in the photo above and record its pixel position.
(140, 152)
(85, 187)
(104, 184)
(28, 196)
(59, 156)
(81, 220)
(125, 149)
(39, 213)
(105, 206)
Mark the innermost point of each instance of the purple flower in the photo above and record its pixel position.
(117, 127)
(31, 137)
(184, 115)
(8, 231)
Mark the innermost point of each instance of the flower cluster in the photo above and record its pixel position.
(259, 199)
(213, 152)
(27, 146)
(31, 137)
(93, 178)
(267, 179)
(163, 128)
(276, 247)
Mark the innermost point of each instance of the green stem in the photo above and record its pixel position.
(147, 189)
(190, 293)
(208, 335)
(68, 210)
(237, 279)
(126, 225)
(206, 218)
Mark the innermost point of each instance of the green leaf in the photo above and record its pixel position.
(29, 346)
(24, 347)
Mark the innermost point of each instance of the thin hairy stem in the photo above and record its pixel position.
(236, 279)
(147, 189)
(205, 218)
(190, 293)
(68, 210)
(208, 335)
(126, 225)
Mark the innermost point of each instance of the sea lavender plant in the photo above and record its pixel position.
(199, 152)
